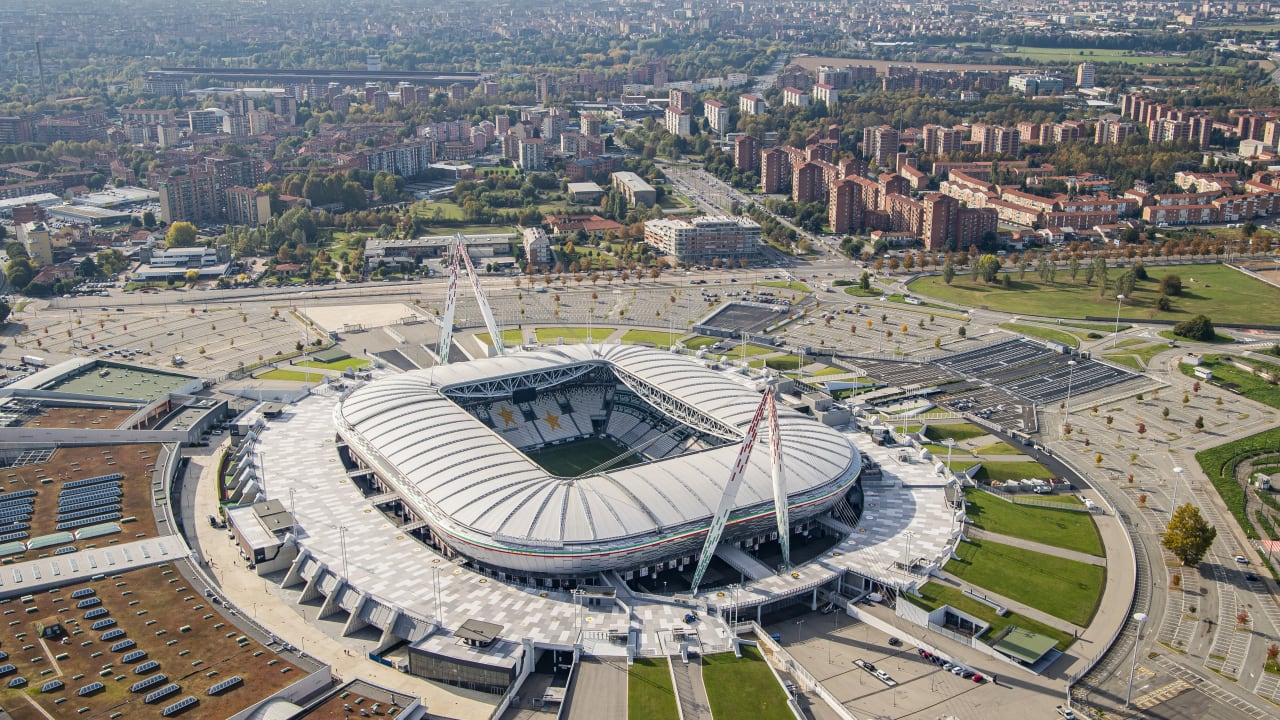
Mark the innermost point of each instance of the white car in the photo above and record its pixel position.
(1066, 712)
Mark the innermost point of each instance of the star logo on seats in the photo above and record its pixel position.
(553, 421)
(508, 417)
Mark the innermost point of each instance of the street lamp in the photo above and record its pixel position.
(907, 560)
(342, 541)
(1141, 618)
(1177, 478)
(951, 444)
(1116, 335)
(1071, 371)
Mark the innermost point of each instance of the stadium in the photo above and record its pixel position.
(550, 466)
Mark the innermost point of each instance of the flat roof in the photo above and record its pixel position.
(1025, 645)
(479, 631)
(121, 382)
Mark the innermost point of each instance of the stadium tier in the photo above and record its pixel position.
(633, 449)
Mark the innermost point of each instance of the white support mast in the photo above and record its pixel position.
(460, 257)
(450, 303)
(735, 481)
(781, 511)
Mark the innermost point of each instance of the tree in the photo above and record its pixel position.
(87, 268)
(1197, 328)
(864, 282)
(148, 220)
(4, 311)
(948, 273)
(181, 234)
(988, 267)
(192, 276)
(19, 272)
(1188, 536)
(1199, 424)
(961, 331)
(1171, 285)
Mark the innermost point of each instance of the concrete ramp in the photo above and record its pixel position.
(743, 563)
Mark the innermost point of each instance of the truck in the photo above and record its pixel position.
(33, 361)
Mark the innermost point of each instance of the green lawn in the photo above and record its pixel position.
(955, 431)
(783, 362)
(1020, 470)
(340, 365)
(1093, 55)
(661, 338)
(1059, 528)
(573, 459)
(1063, 588)
(1137, 357)
(1246, 384)
(1097, 327)
(698, 342)
(743, 687)
(1043, 333)
(471, 230)
(294, 375)
(857, 291)
(449, 210)
(1218, 338)
(1000, 448)
(751, 350)
(786, 285)
(1224, 294)
(1127, 360)
(551, 335)
(649, 690)
(1220, 463)
(509, 338)
(935, 594)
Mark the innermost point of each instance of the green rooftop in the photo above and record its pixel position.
(332, 355)
(131, 382)
(1025, 645)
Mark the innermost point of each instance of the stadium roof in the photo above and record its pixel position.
(466, 477)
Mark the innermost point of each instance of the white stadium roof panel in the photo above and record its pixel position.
(474, 484)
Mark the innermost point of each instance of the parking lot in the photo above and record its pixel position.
(829, 646)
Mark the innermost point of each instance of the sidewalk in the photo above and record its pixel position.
(251, 595)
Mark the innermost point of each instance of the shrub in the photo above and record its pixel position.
(1197, 328)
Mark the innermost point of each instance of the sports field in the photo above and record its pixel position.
(575, 458)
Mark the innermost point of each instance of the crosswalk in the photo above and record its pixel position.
(1161, 694)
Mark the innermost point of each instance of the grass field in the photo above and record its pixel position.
(1246, 384)
(1059, 528)
(1063, 588)
(1093, 55)
(955, 431)
(340, 365)
(995, 470)
(1218, 338)
(649, 690)
(551, 335)
(936, 594)
(509, 338)
(1220, 463)
(743, 687)
(1224, 294)
(573, 459)
(785, 285)
(449, 210)
(1000, 448)
(699, 341)
(1137, 357)
(1043, 333)
(661, 338)
(294, 375)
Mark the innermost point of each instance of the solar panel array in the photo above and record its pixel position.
(90, 689)
(146, 667)
(162, 693)
(111, 635)
(179, 706)
(123, 645)
(89, 602)
(226, 685)
(51, 686)
(149, 682)
(8, 668)
(73, 524)
(17, 682)
(83, 593)
(91, 481)
(101, 624)
(134, 656)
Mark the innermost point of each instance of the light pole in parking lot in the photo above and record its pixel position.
(1133, 665)
(1177, 478)
(1066, 413)
(1115, 336)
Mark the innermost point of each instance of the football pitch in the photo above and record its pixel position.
(575, 458)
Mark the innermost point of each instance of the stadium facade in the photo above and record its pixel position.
(453, 441)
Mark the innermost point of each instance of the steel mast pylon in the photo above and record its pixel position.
(460, 257)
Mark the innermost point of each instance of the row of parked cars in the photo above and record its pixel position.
(951, 667)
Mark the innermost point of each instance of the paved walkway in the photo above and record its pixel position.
(979, 534)
(598, 691)
(250, 593)
(690, 690)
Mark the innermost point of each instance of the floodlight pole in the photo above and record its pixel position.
(1115, 336)
(1133, 665)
